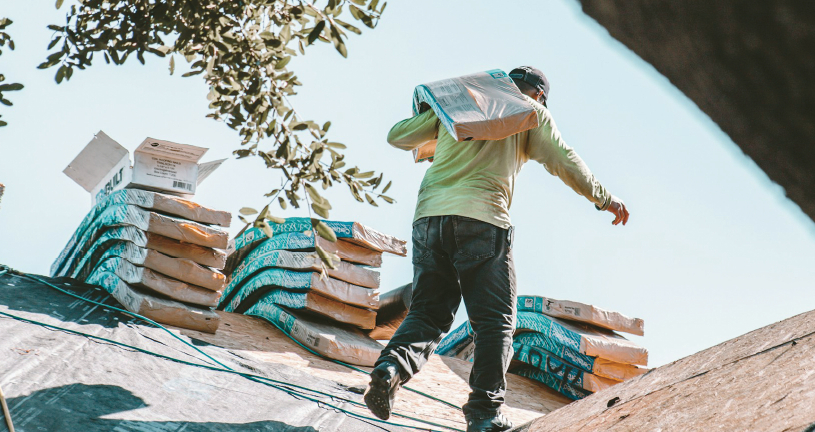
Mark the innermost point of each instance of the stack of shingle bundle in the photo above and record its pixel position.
(158, 255)
(569, 346)
(281, 278)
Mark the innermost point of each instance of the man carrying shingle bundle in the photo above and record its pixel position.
(462, 247)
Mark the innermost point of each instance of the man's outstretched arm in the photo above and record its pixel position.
(546, 146)
(414, 132)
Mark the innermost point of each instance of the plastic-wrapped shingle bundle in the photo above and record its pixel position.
(283, 274)
(158, 255)
(569, 346)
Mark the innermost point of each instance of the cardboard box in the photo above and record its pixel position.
(482, 106)
(104, 166)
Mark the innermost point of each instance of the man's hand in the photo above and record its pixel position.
(618, 208)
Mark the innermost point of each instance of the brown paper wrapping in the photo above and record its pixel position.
(345, 313)
(344, 292)
(166, 311)
(186, 270)
(190, 210)
(616, 371)
(393, 308)
(348, 251)
(177, 290)
(187, 231)
(202, 255)
(373, 239)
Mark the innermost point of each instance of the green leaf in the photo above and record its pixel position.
(316, 32)
(59, 4)
(349, 27)
(172, 65)
(247, 211)
(2, 123)
(282, 202)
(341, 48)
(386, 198)
(10, 87)
(60, 74)
(371, 200)
(312, 193)
(54, 42)
(6, 102)
(275, 219)
(267, 230)
(282, 63)
(364, 175)
(387, 186)
(263, 212)
(325, 257)
(324, 230)
(326, 125)
(336, 145)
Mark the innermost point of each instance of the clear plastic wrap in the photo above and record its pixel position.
(324, 337)
(148, 200)
(161, 310)
(481, 106)
(315, 303)
(182, 269)
(253, 239)
(129, 215)
(550, 363)
(581, 312)
(156, 282)
(240, 297)
(581, 338)
(595, 365)
(262, 258)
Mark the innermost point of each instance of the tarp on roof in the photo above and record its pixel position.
(54, 380)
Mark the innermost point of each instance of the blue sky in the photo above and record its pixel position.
(713, 248)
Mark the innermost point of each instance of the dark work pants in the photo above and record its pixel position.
(455, 257)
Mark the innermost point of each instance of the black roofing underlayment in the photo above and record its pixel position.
(58, 381)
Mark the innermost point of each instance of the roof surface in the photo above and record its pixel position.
(57, 378)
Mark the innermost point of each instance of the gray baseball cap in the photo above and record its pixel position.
(534, 77)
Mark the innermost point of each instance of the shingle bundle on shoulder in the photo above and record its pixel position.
(283, 274)
(569, 346)
(159, 255)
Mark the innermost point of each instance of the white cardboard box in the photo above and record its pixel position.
(481, 106)
(104, 166)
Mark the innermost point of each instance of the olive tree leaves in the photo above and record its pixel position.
(5, 40)
(242, 50)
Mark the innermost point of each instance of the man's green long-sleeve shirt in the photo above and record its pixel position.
(477, 178)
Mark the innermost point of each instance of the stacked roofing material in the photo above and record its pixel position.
(569, 346)
(158, 255)
(283, 280)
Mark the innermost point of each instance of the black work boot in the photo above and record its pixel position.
(385, 381)
(497, 423)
